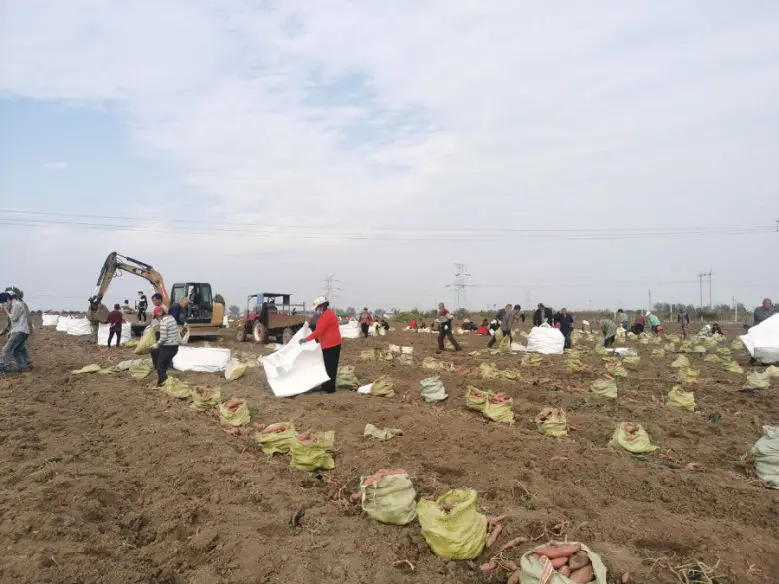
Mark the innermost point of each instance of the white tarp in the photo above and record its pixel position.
(295, 368)
(63, 323)
(50, 319)
(350, 330)
(104, 330)
(762, 340)
(545, 340)
(79, 327)
(202, 359)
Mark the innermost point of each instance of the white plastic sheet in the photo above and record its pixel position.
(63, 323)
(202, 359)
(762, 341)
(350, 330)
(295, 368)
(104, 330)
(545, 340)
(79, 327)
(50, 319)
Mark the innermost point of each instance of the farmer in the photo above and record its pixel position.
(638, 325)
(444, 321)
(328, 334)
(608, 329)
(542, 315)
(15, 348)
(497, 319)
(764, 311)
(115, 320)
(684, 321)
(564, 321)
(506, 323)
(143, 305)
(624, 321)
(365, 322)
(654, 323)
(167, 345)
(179, 311)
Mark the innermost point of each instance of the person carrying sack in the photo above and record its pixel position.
(445, 328)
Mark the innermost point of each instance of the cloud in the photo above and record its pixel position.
(432, 113)
(55, 165)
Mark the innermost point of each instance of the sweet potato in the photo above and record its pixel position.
(494, 535)
(559, 562)
(514, 578)
(565, 571)
(582, 575)
(578, 561)
(629, 428)
(557, 551)
(631, 437)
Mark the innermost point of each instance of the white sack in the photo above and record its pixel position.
(351, 330)
(63, 323)
(104, 330)
(50, 319)
(762, 341)
(545, 340)
(79, 327)
(295, 368)
(201, 359)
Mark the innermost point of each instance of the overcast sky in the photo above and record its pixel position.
(575, 153)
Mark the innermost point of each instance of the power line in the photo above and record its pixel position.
(297, 226)
(268, 232)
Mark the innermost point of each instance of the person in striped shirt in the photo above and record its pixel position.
(167, 346)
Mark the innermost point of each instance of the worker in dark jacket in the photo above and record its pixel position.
(764, 311)
(506, 323)
(542, 315)
(179, 311)
(444, 321)
(115, 319)
(564, 322)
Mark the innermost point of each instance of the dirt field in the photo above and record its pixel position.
(105, 479)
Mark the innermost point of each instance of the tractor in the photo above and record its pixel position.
(270, 315)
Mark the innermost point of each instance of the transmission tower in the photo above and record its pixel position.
(331, 290)
(460, 286)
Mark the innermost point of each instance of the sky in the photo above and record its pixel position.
(593, 155)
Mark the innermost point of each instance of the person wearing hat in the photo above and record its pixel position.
(167, 346)
(15, 348)
(328, 334)
(365, 322)
(444, 321)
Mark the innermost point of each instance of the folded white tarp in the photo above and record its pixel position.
(351, 330)
(202, 359)
(295, 368)
(762, 340)
(545, 340)
(104, 330)
(79, 327)
(62, 323)
(50, 319)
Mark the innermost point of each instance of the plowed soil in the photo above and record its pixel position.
(106, 479)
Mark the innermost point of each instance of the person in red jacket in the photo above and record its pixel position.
(329, 336)
(115, 320)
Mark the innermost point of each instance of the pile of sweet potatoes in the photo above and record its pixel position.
(568, 560)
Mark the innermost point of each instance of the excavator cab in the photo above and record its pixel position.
(201, 301)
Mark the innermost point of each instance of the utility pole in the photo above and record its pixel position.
(710, 304)
(735, 310)
(700, 282)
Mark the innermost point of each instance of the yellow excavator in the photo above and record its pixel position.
(204, 317)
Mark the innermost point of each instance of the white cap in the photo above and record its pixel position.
(319, 302)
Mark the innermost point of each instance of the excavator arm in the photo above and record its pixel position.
(118, 263)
